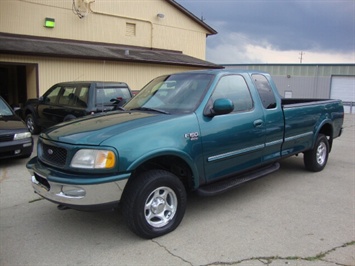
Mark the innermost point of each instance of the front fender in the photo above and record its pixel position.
(168, 152)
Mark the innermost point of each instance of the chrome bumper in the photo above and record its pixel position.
(78, 195)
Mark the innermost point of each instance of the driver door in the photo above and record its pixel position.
(232, 142)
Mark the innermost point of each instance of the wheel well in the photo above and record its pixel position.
(173, 164)
(68, 118)
(27, 112)
(327, 130)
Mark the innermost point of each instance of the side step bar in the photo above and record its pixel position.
(235, 181)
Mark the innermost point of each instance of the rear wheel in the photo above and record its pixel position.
(154, 203)
(316, 159)
(31, 125)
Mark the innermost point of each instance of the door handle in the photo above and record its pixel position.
(258, 123)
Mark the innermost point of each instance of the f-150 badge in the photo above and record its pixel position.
(192, 136)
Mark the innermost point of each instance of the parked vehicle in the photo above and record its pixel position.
(15, 139)
(69, 100)
(205, 131)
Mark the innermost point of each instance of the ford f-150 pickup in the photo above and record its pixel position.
(205, 131)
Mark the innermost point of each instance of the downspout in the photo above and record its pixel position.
(118, 16)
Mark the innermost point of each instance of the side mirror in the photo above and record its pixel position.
(220, 107)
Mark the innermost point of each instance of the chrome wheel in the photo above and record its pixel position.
(153, 203)
(316, 159)
(160, 207)
(321, 153)
(30, 124)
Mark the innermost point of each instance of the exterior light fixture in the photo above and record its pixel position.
(160, 15)
(49, 22)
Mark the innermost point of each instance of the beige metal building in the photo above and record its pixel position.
(43, 42)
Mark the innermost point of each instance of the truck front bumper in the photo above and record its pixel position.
(77, 193)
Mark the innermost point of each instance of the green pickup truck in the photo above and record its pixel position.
(206, 131)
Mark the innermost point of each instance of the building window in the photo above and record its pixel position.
(130, 29)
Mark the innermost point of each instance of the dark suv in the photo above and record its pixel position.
(68, 100)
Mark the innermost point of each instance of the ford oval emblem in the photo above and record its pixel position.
(50, 151)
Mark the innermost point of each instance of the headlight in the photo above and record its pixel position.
(23, 135)
(93, 159)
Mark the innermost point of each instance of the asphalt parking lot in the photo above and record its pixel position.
(292, 217)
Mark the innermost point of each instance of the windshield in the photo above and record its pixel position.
(179, 93)
(4, 109)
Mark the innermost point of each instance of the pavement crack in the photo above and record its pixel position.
(270, 259)
(172, 254)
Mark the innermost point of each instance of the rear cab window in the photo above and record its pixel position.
(106, 95)
(265, 91)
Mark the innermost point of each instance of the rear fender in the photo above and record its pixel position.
(325, 128)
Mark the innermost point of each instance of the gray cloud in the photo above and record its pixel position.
(312, 25)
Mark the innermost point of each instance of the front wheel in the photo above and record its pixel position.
(154, 203)
(31, 124)
(316, 159)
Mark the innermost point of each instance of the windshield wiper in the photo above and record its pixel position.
(151, 109)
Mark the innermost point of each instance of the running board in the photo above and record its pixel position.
(235, 181)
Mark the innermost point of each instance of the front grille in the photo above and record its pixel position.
(7, 137)
(52, 155)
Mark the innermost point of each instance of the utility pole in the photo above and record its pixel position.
(301, 56)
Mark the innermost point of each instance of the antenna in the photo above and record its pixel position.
(202, 18)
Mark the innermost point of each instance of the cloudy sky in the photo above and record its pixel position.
(277, 31)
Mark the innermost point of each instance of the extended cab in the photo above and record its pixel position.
(205, 131)
(68, 100)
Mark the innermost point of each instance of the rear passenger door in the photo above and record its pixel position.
(233, 142)
(274, 121)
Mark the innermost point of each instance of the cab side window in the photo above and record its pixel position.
(83, 95)
(68, 96)
(265, 92)
(234, 87)
(52, 95)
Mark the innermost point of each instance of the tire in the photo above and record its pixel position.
(31, 125)
(154, 203)
(316, 159)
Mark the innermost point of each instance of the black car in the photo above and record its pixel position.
(15, 139)
(69, 100)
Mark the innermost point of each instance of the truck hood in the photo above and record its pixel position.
(95, 129)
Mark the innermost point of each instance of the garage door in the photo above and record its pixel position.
(343, 88)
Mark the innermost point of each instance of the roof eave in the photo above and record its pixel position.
(210, 30)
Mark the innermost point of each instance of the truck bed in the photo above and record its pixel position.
(303, 117)
(292, 101)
